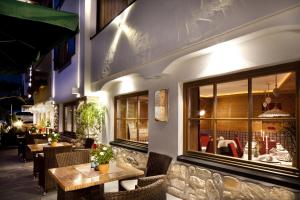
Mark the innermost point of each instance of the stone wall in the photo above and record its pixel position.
(195, 183)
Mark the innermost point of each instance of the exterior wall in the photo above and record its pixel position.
(185, 41)
(69, 77)
(192, 182)
(140, 36)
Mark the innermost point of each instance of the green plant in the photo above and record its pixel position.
(90, 120)
(102, 154)
(53, 136)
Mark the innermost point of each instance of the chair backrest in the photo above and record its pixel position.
(210, 147)
(157, 164)
(88, 143)
(239, 146)
(73, 158)
(233, 150)
(50, 155)
(153, 191)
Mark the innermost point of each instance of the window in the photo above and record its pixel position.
(63, 54)
(107, 10)
(70, 118)
(131, 117)
(246, 118)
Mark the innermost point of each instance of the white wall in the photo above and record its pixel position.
(252, 41)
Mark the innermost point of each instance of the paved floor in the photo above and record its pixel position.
(16, 180)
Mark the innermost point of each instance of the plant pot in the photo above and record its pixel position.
(53, 144)
(103, 168)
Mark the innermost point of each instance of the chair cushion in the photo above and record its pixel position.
(129, 184)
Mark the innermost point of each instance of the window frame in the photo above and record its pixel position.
(133, 145)
(248, 168)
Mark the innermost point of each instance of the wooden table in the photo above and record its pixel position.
(38, 148)
(77, 177)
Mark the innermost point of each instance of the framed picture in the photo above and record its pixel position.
(161, 105)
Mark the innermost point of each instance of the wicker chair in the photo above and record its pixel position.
(88, 143)
(153, 191)
(73, 158)
(48, 161)
(158, 164)
(144, 181)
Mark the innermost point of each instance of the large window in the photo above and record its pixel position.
(107, 10)
(131, 117)
(248, 117)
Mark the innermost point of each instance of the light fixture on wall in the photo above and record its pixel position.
(75, 90)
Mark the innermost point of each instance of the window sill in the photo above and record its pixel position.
(130, 145)
(288, 178)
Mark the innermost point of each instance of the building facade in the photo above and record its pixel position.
(214, 84)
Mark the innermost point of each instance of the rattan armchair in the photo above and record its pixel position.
(154, 191)
(48, 161)
(76, 158)
(158, 164)
(73, 158)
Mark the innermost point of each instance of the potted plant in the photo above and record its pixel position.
(101, 156)
(53, 138)
(90, 120)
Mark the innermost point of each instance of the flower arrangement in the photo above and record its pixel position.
(53, 137)
(102, 154)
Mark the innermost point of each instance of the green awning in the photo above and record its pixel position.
(29, 31)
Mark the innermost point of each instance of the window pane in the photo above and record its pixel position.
(121, 129)
(232, 99)
(68, 118)
(232, 137)
(143, 102)
(143, 131)
(121, 108)
(132, 130)
(200, 101)
(274, 108)
(132, 107)
(200, 133)
(206, 101)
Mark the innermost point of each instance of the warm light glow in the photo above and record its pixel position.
(119, 21)
(103, 97)
(224, 57)
(18, 124)
(202, 113)
(126, 85)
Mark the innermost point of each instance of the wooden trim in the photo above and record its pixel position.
(125, 96)
(214, 115)
(298, 116)
(250, 116)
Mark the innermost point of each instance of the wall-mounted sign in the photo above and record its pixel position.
(161, 105)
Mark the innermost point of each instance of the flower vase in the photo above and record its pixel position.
(103, 168)
(53, 144)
